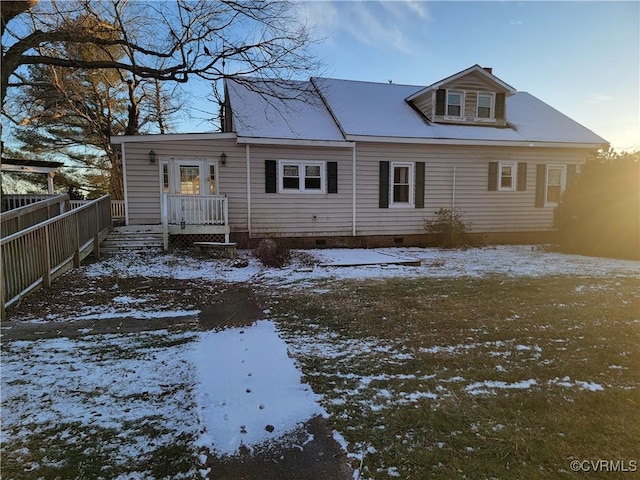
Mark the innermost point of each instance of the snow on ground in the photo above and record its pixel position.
(114, 382)
(248, 390)
(512, 261)
(229, 388)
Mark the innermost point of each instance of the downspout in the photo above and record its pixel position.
(248, 162)
(453, 194)
(124, 180)
(353, 190)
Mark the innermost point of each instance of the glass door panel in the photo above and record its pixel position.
(189, 180)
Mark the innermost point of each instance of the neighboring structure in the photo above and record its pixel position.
(32, 166)
(337, 162)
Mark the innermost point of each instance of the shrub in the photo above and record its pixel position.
(451, 230)
(272, 254)
(599, 214)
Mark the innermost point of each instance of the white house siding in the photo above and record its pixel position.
(143, 178)
(301, 214)
(488, 211)
(472, 81)
(424, 103)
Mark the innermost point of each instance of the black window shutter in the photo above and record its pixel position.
(419, 187)
(541, 178)
(270, 176)
(332, 177)
(522, 176)
(383, 200)
(493, 177)
(441, 96)
(500, 106)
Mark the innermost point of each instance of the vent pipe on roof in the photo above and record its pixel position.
(488, 69)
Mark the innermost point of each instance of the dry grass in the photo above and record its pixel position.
(401, 366)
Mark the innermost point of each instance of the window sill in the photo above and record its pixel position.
(484, 120)
(401, 205)
(303, 192)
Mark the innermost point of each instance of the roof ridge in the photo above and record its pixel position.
(370, 82)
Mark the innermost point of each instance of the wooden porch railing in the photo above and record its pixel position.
(35, 256)
(28, 210)
(196, 209)
(117, 207)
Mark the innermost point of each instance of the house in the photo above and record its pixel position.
(339, 162)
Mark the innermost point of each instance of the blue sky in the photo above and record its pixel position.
(582, 58)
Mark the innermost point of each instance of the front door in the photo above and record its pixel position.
(194, 177)
(191, 183)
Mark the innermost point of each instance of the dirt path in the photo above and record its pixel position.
(310, 453)
(320, 458)
(236, 307)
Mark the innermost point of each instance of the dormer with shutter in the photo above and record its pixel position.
(471, 97)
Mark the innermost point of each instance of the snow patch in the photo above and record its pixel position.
(249, 390)
(488, 386)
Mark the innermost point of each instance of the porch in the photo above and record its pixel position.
(194, 215)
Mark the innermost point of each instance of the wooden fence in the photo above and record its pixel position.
(11, 201)
(117, 207)
(35, 256)
(28, 210)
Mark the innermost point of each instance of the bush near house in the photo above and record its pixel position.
(450, 229)
(599, 214)
(272, 254)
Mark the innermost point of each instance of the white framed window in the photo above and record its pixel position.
(507, 176)
(165, 177)
(213, 179)
(556, 179)
(302, 176)
(485, 106)
(455, 104)
(402, 181)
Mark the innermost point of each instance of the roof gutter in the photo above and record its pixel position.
(166, 137)
(454, 141)
(294, 142)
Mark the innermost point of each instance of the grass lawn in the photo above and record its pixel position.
(473, 377)
(430, 372)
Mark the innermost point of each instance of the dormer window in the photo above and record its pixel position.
(485, 106)
(455, 103)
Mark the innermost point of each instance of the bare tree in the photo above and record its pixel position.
(89, 69)
(166, 41)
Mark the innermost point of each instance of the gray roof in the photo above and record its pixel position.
(336, 110)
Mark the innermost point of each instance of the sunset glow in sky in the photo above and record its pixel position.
(582, 58)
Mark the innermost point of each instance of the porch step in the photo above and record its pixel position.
(124, 239)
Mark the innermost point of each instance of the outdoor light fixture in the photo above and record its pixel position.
(152, 156)
(223, 158)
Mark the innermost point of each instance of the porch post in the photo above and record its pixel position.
(165, 222)
(225, 212)
(50, 182)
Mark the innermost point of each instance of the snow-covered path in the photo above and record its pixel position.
(248, 389)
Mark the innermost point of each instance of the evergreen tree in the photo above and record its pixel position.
(599, 214)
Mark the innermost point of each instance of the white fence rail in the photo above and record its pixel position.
(195, 209)
(117, 207)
